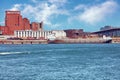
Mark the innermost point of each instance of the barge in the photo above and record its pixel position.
(66, 40)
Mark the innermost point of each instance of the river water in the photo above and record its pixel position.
(60, 62)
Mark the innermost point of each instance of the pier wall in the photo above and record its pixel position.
(23, 41)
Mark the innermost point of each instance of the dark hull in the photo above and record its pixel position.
(60, 41)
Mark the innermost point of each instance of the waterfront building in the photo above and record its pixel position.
(76, 33)
(19, 27)
(4, 30)
(59, 33)
(30, 34)
(37, 26)
(114, 32)
(26, 24)
(14, 21)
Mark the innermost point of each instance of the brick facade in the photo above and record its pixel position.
(14, 21)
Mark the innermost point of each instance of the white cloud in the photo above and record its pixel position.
(43, 11)
(96, 13)
(57, 1)
(80, 7)
(55, 25)
(16, 7)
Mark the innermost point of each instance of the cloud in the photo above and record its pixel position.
(57, 1)
(16, 7)
(80, 7)
(42, 11)
(96, 13)
(55, 25)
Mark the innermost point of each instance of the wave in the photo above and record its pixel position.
(6, 53)
(36, 51)
(24, 52)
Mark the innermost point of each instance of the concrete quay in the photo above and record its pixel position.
(23, 41)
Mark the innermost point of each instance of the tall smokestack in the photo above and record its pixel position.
(41, 25)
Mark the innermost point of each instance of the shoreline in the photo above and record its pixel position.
(61, 41)
(44, 42)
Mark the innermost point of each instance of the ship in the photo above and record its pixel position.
(66, 40)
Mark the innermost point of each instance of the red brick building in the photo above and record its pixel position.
(4, 30)
(26, 24)
(36, 26)
(14, 21)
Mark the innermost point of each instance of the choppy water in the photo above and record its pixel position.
(60, 62)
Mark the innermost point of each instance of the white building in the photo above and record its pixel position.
(38, 34)
(59, 33)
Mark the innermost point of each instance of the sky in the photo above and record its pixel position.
(89, 15)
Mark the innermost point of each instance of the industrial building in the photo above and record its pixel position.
(30, 34)
(77, 33)
(14, 21)
(114, 32)
(18, 27)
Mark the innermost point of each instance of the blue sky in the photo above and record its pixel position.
(89, 15)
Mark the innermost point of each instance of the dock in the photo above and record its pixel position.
(23, 41)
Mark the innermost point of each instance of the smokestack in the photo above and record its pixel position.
(41, 25)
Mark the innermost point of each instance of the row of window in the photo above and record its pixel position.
(32, 34)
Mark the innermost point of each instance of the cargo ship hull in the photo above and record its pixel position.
(78, 41)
